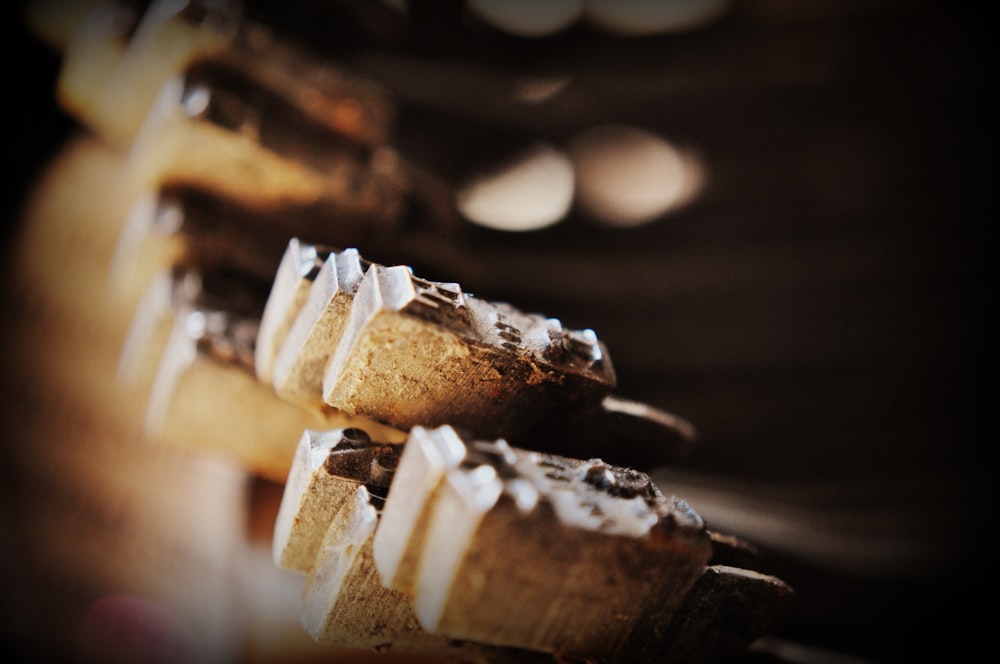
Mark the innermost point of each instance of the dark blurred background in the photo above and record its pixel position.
(822, 309)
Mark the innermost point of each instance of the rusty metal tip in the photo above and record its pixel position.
(354, 437)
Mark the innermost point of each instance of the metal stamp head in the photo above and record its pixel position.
(442, 302)
(679, 515)
(355, 456)
(168, 215)
(351, 462)
(584, 345)
(224, 337)
(575, 348)
(497, 453)
(353, 438)
(630, 482)
(383, 466)
(557, 468)
(597, 474)
(311, 259)
(215, 91)
(195, 99)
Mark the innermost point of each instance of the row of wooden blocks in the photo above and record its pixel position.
(454, 499)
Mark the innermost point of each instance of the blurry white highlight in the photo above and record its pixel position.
(533, 192)
(627, 176)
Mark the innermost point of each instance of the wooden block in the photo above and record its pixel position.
(264, 122)
(203, 395)
(540, 552)
(327, 469)
(346, 603)
(399, 542)
(301, 361)
(116, 61)
(299, 267)
(411, 346)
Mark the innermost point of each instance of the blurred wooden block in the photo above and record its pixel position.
(116, 61)
(264, 122)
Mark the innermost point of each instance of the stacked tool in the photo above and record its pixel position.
(458, 474)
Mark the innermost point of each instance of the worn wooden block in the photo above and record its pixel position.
(209, 231)
(194, 364)
(411, 346)
(546, 553)
(346, 603)
(327, 469)
(265, 122)
(115, 60)
(400, 540)
(303, 355)
(299, 267)
(345, 600)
